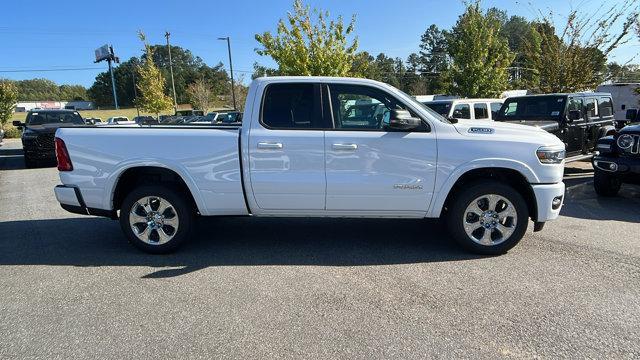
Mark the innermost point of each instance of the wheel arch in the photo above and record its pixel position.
(515, 178)
(132, 176)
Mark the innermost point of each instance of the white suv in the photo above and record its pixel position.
(467, 109)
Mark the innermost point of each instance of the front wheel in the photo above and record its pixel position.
(605, 184)
(156, 219)
(488, 218)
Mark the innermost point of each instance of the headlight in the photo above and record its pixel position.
(550, 155)
(625, 141)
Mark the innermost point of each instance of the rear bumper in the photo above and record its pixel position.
(549, 200)
(70, 199)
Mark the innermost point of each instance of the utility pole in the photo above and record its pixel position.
(233, 86)
(173, 85)
(105, 52)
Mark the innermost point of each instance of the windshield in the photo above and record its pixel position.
(441, 108)
(41, 118)
(532, 108)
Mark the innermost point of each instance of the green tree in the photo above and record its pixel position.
(433, 59)
(480, 55)
(573, 58)
(8, 100)
(306, 46)
(201, 95)
(151, 84)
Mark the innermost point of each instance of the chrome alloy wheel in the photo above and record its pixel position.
(490, 219)
(153, 220)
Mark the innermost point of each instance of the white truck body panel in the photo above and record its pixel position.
(321, 172)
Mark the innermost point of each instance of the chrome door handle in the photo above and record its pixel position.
(351, 147)
(269, 145)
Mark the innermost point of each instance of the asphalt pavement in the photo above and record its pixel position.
(71, 286)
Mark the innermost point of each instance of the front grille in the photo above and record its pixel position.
(45, 141)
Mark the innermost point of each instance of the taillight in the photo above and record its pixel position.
(62, 155)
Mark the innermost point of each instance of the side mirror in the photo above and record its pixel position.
(574, 115)
(402, 120)
(18, 123)
(631, 114)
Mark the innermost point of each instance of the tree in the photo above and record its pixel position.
(574, 58)
(241, 92)
(433, 59)
(480, 56)
(151, 84)
(102, 94)
(200, 95)
(8, 100)
(307, 47)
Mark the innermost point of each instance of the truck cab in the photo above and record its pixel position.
(578, 119)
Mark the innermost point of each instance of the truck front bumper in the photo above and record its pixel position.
(549, 200)
(70, 198)
(627, 169)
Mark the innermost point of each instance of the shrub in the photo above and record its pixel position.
(11, 132)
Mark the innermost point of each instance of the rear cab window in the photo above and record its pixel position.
(480, 111)
(291, 106)
(605, 106)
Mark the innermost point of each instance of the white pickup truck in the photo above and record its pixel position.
(308, 147)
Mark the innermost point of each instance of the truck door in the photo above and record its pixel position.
(368, 166)
(593, 123)
(286, 149)
(574, 132)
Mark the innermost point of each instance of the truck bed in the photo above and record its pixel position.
(206, 157)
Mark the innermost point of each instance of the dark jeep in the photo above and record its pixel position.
(578, 119)
(38, 132)
(618, 161)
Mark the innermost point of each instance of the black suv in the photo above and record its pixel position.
(618, 161)
(578, 119)
(38, 133)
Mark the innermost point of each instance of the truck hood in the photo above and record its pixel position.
(631, 129)
(504, 130)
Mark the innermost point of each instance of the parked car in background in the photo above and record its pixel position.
(189, 112)
(301, 152)
(624, 97)
(466, 109)
(120, 120)
(618, 161)
(224, 117)
(38, 133)
(145, 120)
(578, 119)
(93, 121)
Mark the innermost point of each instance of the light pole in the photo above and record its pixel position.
(233, 86)
(173, 85)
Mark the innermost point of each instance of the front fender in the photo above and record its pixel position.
(114, 177)
(440, 195)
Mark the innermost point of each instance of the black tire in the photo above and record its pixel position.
(181, 208)
(605, 184)
(457, 216)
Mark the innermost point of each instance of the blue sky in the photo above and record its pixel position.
(56, 35)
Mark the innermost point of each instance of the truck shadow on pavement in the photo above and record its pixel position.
(89, 241)
(581, 201)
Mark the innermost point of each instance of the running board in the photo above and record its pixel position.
(579, 157)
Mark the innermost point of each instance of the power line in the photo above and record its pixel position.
(50, 70)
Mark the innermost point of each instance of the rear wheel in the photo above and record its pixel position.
(605, 184)
(156, 219)
(488, 218)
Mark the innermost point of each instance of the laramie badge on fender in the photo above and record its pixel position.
(479, 130)
(407, 187)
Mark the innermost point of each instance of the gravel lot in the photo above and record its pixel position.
(71, 287)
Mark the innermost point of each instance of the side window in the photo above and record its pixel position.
(290, 106)
(510, 109)
(606, 106)
(361, 107)
(462, 111)
(591, 107)
(480, 111)
(495, 107)
(575, 104)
